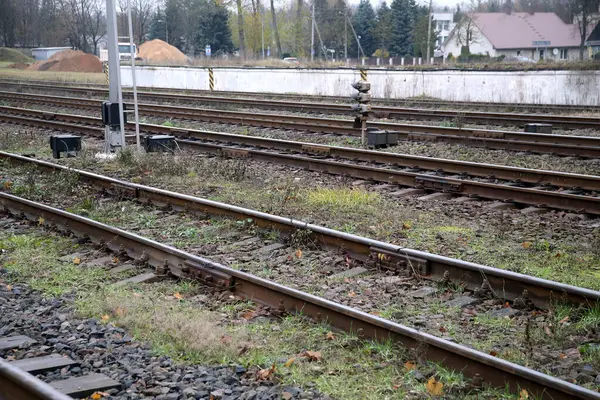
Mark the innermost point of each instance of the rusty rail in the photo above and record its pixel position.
(16, 384)
(531, 196)
(567, 145)
(492, 370)
(506, 284)
(385, 107)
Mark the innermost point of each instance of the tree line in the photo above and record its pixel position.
(280, 28)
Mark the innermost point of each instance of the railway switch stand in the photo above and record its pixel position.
(363, 108)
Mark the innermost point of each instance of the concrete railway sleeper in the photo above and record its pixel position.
(542, 195)
(493, 371)
(384, 111)
(580, 146)
(508, 285)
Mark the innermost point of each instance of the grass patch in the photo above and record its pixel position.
(342, 199)
(34, 259)
(14, 56)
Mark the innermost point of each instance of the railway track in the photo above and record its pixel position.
(579, 193)
(507, 284)
(89, 89)
(580, 146)
(492, 370)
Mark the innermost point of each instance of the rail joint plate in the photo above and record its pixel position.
(437, 183)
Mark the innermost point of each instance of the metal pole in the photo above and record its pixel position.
(312, 36)
(133, 82)
(114, 94)
(166, 29)
(429, 32)
(262, 23)
(345, 37)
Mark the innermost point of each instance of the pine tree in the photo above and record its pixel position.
(213, 29)
(364, 23)
(403, 22)
(158, 27)
(384, 28)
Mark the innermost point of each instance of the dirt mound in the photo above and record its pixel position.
(69, 61)
(18, 65)
(11, 55)
(157, 51)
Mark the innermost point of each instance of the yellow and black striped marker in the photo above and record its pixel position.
(363, 74)
(211, 79)
(105, 69)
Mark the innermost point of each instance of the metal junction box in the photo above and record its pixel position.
(538, 128)
(158, 143)
(378, 138)
(69, 144)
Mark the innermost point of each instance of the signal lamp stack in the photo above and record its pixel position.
(363, 108)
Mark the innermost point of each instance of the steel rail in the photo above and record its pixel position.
(571, 145)
(506, 284)
(530, 196)
(494, 371)
(508, 173)
(245, 98)
(16, 384)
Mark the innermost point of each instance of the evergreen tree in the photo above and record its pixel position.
(213, 29)
(384, 28)
(420, 35)
(364, 24)
(403, 22)
(158, 27)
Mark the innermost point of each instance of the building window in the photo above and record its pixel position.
(563, 54)
(518, 53)
(542, 54)
(446, 25)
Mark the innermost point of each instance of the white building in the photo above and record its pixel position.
(44, 53)
(538, 36)
(442, 26)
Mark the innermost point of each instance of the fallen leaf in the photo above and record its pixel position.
(41, 221)
(225, 339)
(443, 330)
(396, 387)
(289, 362)
(409, 365)
(105, 317)
(312, 355)
(526, 245)
(266, 373)
(523, 394)
(406, 225)
(351, 294)
(434, 388)
(77, 261)
(8, 287)
(7, 185)
(119, 311)
(178, 296)
(493, 353)
(298, 253)
(547, 330)
(287, 395)
(248, 315)
(562, 356)
(557, 255)
(330, 336)
(96, 396)
(376, 313)
(565, 319)
(115, 260)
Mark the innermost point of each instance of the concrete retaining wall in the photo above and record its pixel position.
(535, 87)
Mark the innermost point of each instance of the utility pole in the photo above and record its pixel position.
(113, 139)
(345, 37)
(312, 36)
(429, 32)
(133, 82)
(262, 24)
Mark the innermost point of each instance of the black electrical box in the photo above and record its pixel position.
(538, 128)
(69, 144)
(378, 138)
(158, 143)
(110, 113)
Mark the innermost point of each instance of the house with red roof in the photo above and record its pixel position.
(536, 36)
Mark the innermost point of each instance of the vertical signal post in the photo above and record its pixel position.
(363, 108)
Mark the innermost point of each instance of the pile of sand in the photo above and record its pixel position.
(157, 51)
(69, 61)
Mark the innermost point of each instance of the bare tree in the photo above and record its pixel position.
(240, 21)
(467, 33)
(142, 10)
(275, 29)
(97, 25)
(76, 18)
(585, 14)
